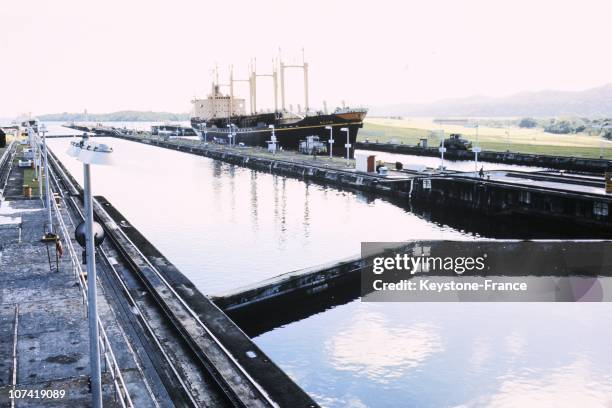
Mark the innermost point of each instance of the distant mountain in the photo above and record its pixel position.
(121, 116)
(595, 102)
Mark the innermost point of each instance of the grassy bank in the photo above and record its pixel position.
(29, 174)
(536, 141)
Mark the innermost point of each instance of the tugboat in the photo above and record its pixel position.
(222, 117)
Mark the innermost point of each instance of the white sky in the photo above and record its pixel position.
(107, 55)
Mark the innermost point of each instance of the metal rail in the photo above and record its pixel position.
(5, 165)
(106, 348)
(74, 190)
(14, 373)
(221, 382)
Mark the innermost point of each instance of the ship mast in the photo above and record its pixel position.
(253, 85)
(282, 80)
(232, 80)
(231, 86)
(304, 67)
(274, 76)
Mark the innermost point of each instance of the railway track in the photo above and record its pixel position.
(180, 349)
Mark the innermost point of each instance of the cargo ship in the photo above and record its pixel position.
(222, 118)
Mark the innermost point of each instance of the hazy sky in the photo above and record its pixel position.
(106, 55)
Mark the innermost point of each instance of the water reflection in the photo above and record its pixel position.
(454, 355)
(254, 204)
(580, 383)
(381, 350)
(225, 227)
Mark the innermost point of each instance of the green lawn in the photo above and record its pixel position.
(384, 134)
(535, 141)
(28, 178)
(29, 174)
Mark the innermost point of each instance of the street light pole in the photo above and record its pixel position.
(34, 147)
(92, 153)
(331, 140)
(43, 130)
(347, 145)
(205, 133)
(230, 134)
(442, 149)
(272, 143)
(92, 303)
(476, 149)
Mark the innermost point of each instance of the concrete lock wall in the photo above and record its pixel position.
(453, 191)
(349, 179)
(491, 197)
(524, 159)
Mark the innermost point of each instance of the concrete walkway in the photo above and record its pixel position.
(44, 338)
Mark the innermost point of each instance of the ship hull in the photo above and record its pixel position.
(288, 136)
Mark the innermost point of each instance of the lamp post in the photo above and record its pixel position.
(347, 145)
(230, 135)
(272, 142)
(34, 147)
(476, 149)
(50, 234)
(91, 153)
(331, 140)
(38, 161)
(442, 150)
(205, 132)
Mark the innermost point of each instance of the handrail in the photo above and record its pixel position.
(108, 354)
(6, 158)
(6, 152)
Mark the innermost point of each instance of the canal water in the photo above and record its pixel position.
(450, 354)
(226, 226)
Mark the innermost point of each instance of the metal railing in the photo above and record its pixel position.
(121, 391)
(5, 166)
